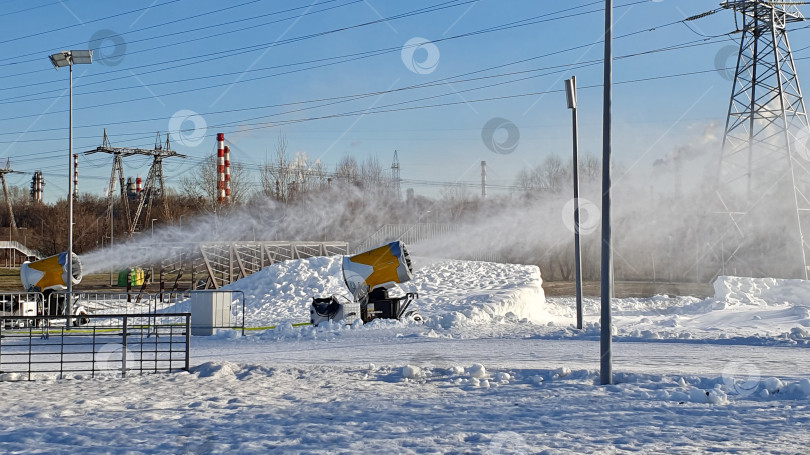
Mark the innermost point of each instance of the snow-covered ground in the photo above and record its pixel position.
(496, 368)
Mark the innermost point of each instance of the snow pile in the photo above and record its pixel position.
(281, 293)
(733, 291)
(451, 293)
(742, 311)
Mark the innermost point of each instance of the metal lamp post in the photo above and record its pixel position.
(571, 99)
(62, 59)
(606, 363)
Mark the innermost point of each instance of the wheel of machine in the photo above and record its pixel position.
(413, 316)
(80, 320)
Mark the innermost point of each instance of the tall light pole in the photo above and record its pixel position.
(571, 99)
(62, 59)
(606, 276)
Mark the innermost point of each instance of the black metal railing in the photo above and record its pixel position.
(137, 343)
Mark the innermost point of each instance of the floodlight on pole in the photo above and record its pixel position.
(571, 100)
(60, 60)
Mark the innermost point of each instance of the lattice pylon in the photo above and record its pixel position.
(765, 163)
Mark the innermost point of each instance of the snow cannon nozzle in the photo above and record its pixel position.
(381, 267)
(50, 273)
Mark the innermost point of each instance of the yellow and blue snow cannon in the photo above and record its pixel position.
(368, 276)
(49, 275)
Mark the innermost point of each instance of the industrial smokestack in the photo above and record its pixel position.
(220, 167)
(36, 187)
(75, 176)
(227, 174)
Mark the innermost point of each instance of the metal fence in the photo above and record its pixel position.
(138, 343)
(20, 304)
(14, 305)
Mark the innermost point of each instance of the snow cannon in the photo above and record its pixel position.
(369, 276)
(381, 267)
(50, 274)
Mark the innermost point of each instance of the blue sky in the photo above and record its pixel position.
(224, 72)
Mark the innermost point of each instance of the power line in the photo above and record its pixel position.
(205, 57)
(355, 97)
(83, 23)
(501, 27)
(209, 27)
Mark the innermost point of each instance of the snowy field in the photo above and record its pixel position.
(495, 369)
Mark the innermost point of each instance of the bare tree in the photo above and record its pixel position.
(371, 173)
(202, 183)
(277, 174)
(554, 174)
(347, 171)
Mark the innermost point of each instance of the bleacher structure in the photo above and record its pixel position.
(211, 265)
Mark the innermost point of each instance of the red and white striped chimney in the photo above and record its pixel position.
(220, 167)
(75, 176)
(138, 187)
(227, 174)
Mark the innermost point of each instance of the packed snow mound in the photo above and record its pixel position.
(747, 310)
(733, 290)
(283, 291)
(456, 293)
(451, 292)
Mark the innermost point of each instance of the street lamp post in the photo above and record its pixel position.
(571, 99)
(606, 275)
(62, 59)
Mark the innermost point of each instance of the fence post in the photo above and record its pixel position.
(243, 312)
(61, 349)
(124, 350)
(188, 339)
(93, 358)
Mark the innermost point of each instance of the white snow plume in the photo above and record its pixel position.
(341, 213)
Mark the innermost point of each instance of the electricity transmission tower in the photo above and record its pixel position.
(153, 186)
(395, 176)
(7, 170)
(766, 149)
